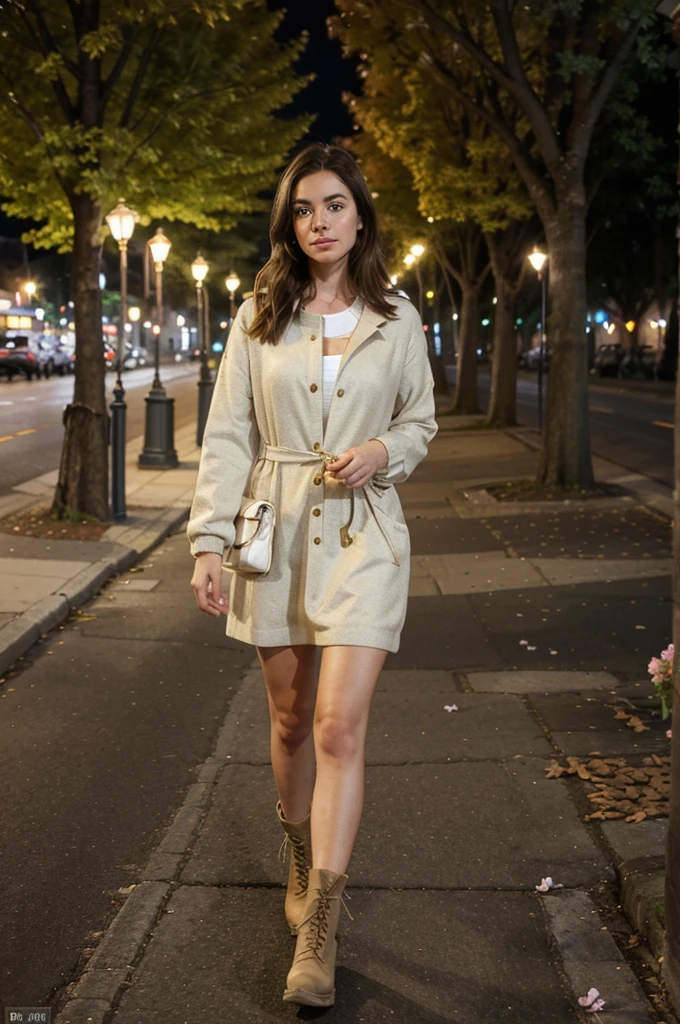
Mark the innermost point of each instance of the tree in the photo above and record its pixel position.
(168, 105)
(548, 70)
(464, 182)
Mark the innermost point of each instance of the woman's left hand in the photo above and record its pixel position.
(357, 465)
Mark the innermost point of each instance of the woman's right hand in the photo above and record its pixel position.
(206, 584)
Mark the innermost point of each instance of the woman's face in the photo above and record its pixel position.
(324, 208)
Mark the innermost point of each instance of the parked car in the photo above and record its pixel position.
(608, 359)
(639, 361)
(21, 354)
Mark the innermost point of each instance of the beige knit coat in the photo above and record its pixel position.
(269, 396)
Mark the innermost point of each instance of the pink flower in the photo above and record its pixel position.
(654, 667)
(669, 653)
(592, 1001)
(669, 733)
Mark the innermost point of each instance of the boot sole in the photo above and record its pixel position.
(304, 998)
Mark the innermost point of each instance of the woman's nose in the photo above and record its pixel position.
(319, 220)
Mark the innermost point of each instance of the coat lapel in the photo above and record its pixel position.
(368, 323)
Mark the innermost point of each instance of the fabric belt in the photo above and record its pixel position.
(275, 453)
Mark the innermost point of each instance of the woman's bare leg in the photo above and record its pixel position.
(291, 676)
(347, 682)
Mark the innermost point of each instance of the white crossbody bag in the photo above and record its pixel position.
(251, 552)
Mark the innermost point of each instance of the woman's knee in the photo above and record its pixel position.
(338, 736)
(292, 728)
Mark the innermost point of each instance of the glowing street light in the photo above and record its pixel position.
(199, 270)
(159, 449)
(121, 221)
(538, 260)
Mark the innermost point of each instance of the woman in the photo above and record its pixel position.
(324, 399)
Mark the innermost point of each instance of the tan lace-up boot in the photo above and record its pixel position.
(299, 837)
(311, 979)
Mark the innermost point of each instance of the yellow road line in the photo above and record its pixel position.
(7, 437)
(662, 423)
(21, 433)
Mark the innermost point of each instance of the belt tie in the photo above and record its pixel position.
(276, 453)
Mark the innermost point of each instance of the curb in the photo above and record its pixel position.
(642, 888)
(22, 632)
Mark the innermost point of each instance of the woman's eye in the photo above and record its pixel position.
(304, 209)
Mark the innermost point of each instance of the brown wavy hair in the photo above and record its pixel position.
(285, 276)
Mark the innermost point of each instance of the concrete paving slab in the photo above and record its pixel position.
(630, 840)
(561, 571)
(223, 954)
(585, 722)
(608, 627)
(445, 632)
(140, 585)
(629, 533)
(19, 592)
(59, 568)
(43, 548)
(526, 681)
(486, 571)
(484, 824)
(450, 537)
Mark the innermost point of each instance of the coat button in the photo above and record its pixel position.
(313, 387)
(316, 511)
(317, 446)
(313, 337)
(340, 393)
(318, 480)
(317, 540)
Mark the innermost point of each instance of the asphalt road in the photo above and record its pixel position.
(631, 428)
(31, 430)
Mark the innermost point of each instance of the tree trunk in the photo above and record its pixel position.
(565, 457)
(465, 397)
(83, 473)
(503, 400)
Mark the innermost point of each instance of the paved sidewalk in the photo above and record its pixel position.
(528, 634)
(43, 580)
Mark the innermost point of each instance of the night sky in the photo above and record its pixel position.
(323, 96)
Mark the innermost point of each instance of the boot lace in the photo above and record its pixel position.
(301, 866)
(318, 925)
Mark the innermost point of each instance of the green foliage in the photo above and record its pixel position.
(170, 106)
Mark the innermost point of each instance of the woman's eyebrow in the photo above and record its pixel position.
(327, 199)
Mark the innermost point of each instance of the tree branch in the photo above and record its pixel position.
(583, 132)
(521, 90)
(142, 66)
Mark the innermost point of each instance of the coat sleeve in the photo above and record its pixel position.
(230, 445)
(413, 424)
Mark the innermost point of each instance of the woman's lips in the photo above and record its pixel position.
(322, 245)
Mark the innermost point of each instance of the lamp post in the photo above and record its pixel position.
(233, 283)
(121, 221)
(538, 260)
(199, 269)
(159, 427)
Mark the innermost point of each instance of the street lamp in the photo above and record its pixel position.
(121, 221)
(538, 260)
(411, 259)
(159, 428)
(199, 270)
(30, 287)
(233, 283)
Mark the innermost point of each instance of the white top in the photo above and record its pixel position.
(334, 325)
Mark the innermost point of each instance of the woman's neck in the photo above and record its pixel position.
(330, 294)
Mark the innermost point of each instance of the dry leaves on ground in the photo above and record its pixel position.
(633, 792)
